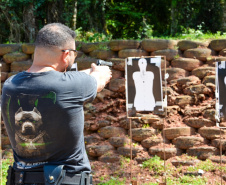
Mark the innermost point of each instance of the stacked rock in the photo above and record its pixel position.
(189, 126)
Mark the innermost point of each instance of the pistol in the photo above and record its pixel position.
(103, 63)
(99, 62)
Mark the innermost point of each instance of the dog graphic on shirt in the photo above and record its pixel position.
(29, 133)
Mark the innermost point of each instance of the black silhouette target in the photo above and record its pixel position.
(143, 85)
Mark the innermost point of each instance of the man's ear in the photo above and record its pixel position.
(65, 57)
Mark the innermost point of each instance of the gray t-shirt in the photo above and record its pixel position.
(44, 117)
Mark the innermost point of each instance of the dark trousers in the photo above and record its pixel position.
(37, 178)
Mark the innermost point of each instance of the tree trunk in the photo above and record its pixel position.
(52, 12)
(224, 16)
(104, 28)
(89, 19)
(29, 22)
(98, 18)
(74, 19)
(173, 19)
(14, 27)
(60, 9)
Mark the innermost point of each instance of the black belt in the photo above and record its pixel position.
(38, 177)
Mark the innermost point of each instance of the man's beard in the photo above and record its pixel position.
(68, 67)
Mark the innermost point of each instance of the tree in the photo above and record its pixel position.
(11, 26)
(21, 19)
(29, 21)
(91, 15)
(123, 19)
(173, 26)
(74, 19)
(224, 15)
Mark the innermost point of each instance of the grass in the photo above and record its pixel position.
(5, 163)
(154, 164)
(186, 157)
(195, 35)
(186, 179)
(187, 34)
(207, 166)
(124, 161)
(146, 126)
(114, 181)
(175, 175)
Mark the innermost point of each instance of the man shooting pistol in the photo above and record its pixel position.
(43, 112)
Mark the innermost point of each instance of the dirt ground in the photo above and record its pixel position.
(125, 169)
(172, 172)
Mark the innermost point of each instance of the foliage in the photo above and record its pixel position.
(98, 20)
(206, 166)
(124, 161)
(191, 34)
(5, 165)
(123, 19)
(190, 179)
(13, 18)
(86, 36)
(187, 180)
(146, 126)
(154, 164)
(114, 181)
(174, 175)
(186, 157)
(195, 13)
(91, 15)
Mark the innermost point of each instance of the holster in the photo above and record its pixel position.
(53, 174)
(10, 176)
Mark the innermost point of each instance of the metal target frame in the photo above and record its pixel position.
(160, 103)
(0, 109)
(218, 106)
(145, 116)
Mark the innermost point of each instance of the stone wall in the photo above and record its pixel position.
(190, 123)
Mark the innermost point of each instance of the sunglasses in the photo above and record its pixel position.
(75, 51)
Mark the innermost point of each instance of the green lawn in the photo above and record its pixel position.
(4, 167)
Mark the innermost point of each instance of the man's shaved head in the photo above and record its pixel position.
(54, 35)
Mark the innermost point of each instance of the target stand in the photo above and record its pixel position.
(144, 94)
(220, 106)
